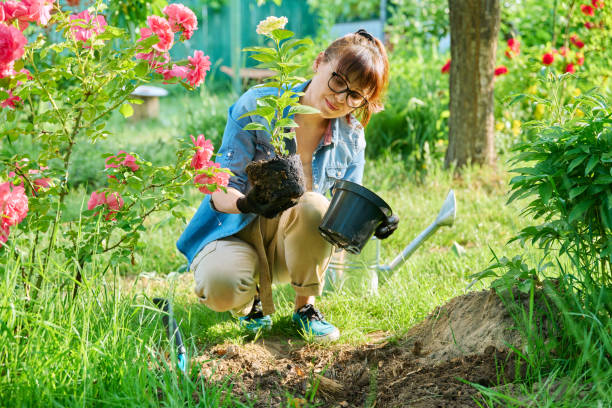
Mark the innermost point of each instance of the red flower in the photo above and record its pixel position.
(548, 59)
(181, 18)
(199, 64)
(576, 41)
(589, 25)
(203, 154)
(597, 3)
(446, 68)
(10, 101)
(501, 70)
(122, 158)
(11, 45)
(13, 205)
(579, 59)
(570, 68)
(514, 45)
(220, 179)
(587, 10)
(160, 27)
(563, 50)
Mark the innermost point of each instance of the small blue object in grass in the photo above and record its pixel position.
(174, 334)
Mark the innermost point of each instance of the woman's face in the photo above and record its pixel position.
(320, 96)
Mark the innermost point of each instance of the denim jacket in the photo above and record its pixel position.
(341, 158)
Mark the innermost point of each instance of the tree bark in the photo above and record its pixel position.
(474, 28)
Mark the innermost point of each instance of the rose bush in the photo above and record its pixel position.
(55, 93)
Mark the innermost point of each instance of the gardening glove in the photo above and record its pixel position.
(387, 227)
(250, 204)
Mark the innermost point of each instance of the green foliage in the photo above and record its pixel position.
(417, 22)
(129, 14)
(73, 89)
(278, 110)
(333, 11)
(566, 171)
(414, 123)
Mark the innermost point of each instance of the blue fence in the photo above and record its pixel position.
(214, 28)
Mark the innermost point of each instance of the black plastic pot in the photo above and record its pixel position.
(352, 216)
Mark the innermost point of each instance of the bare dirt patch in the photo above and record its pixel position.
(466, 339)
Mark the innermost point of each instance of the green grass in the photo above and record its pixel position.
(108, 347)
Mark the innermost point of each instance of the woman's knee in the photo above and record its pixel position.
(224, 277)
(312, 207)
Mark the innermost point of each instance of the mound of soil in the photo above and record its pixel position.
(465, 339)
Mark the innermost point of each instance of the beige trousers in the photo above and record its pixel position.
(287, 249)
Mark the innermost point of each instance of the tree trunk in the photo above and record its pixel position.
(474, 28)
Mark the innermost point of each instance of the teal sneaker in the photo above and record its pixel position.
(256, 320)
(314, 324)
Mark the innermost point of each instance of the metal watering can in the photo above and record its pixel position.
(339, 265)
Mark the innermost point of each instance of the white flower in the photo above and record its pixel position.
(270, 24)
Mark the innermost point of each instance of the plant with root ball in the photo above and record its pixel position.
(278, 109)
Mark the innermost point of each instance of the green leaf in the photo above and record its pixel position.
(303, 109)
(576, 191)
(126, 110)
(545, 191)
(576, 162)
(591, 164)
(255, 126)
(578, 210)
(281, 34)
(141, 69)
(264, 57)
(286, 122)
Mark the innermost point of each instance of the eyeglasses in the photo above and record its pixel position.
(339, 85)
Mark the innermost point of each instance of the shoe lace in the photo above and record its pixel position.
(310, 312)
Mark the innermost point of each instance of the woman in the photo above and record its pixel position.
(237, 246)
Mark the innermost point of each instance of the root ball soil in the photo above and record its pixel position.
(279, 174)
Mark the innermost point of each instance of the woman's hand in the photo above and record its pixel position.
(251, 204)
(387, 227)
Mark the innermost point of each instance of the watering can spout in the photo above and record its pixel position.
(446, 217)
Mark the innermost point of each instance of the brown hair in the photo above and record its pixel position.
(362, 58)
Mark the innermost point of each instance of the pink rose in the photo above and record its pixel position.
(39, 183)
(199, 64)
(203, 152)
(177, 71)
(10, 101)
(87, 25)
(220, 179)
(14, 10)
(181, 18)
(39, 10)
(160, 27)
(156, 59)
(4, 232)
(11, 45)
(111, 200)
(96, 199)
(13, 204)
(114, 201)
(122, 158)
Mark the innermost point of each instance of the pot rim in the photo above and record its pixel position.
(365, 193)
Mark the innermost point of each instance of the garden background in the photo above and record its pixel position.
(82, 330)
